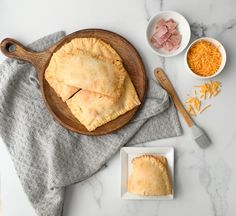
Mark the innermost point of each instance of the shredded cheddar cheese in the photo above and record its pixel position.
(215, 87)
(195, 102)
(204, 58)
(191, 111)
(205, 108)
(202, 93)
(209, 89)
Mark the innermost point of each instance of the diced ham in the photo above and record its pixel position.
(163, 38)
(155, 43)
(174, 32)
(171, 25)
(168, 45)
(160, 22)
(166, 35)
(159, 41)
(175, 39)
(160, 32)
(153, 40)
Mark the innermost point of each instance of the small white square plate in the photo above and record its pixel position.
(126, 156)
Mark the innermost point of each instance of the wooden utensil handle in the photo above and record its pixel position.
(14, 49)
(166, 84)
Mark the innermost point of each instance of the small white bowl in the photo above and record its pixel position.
(182, 26)
(221, 49)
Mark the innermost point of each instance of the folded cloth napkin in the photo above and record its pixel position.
(48, 157)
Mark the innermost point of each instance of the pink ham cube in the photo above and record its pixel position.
(166, 35)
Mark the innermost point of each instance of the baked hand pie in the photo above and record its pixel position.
(62, 90)
(93, 109)
(94, 46)
(88, 64)
(88, 74)
(93, 73)
(149, 176)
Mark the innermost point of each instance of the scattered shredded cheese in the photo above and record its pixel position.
(201, 93)
(209, 89)
(191, 111)
(204, 58)
(215, 87)
(195, 102)
(205, 108)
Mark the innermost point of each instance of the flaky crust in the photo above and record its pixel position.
(87, 63)
(150, 176)
(93, 109)
(89, 75)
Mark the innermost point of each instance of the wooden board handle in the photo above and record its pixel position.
(14, 49)
(166, 84)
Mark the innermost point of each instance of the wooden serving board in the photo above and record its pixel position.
(61, 113)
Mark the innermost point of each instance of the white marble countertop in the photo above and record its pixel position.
(204, 179)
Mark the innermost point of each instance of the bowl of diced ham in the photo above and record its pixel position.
(168, 33)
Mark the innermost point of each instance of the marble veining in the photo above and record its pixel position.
(202, 30)
(231, 141)
(97, 189)
(215, 180)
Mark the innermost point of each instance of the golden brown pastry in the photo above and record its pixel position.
(89, 75)
(93, 109)
(94, 46)
(62, 90)
(149, 176)
(85, 63)
(92, 73)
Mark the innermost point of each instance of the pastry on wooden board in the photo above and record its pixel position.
(85, 63)
(62, 90)
(93, 73)
(88, 74)
(149, 176)
(94, 46)
(93, 109)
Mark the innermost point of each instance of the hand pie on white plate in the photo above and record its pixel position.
(93, 109)
(87, 63)
(149, 176)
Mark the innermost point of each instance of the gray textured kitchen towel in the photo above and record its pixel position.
(47, 157)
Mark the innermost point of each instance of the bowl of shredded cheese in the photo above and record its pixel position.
(205, 57)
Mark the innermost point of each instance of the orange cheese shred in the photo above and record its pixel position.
(201, 93)
(207, 106)
(195, 102)
(191, 111)
(204, 58)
